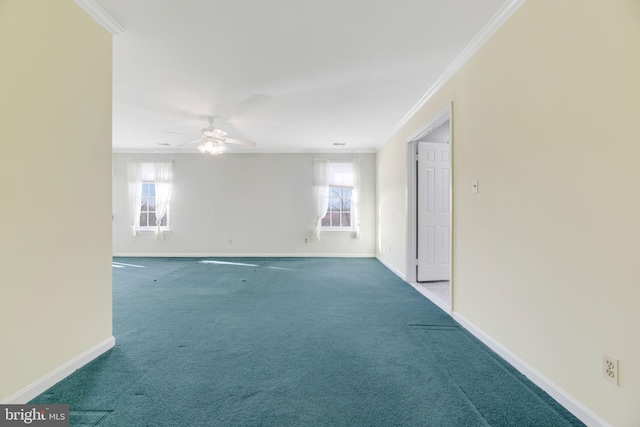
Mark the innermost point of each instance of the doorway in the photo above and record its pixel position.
(430, 231)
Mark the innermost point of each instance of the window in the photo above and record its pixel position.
(149, 194)
(148, 206)
(339, 210)
(339, 215)
(337, 196)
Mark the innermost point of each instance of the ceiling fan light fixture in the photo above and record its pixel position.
(214, 148)
(212, 132)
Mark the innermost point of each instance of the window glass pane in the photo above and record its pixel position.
(335, 220)
(334, 205)
(346, 220)
(334, 192)
(346, 192)
(145, 189)
(164, 221)
(152, 204)
(152, 189)
(143, 219)
(325, 221)
(145, 205)
(152, 218)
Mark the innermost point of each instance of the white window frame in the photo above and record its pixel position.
(349, 228)
(338, 229)
(148, 178)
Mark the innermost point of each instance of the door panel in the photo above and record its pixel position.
(434, 213)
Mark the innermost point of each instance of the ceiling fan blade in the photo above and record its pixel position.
(239, 142)
(187, 143)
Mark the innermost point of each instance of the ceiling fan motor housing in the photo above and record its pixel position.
(211, 132)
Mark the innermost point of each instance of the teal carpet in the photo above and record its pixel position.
(290, 342)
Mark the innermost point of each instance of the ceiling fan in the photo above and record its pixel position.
(214, 141)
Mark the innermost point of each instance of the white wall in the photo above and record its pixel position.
(55, 187)
(262, 202)
(546, 116)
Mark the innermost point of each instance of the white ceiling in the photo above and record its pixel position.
(291, 75)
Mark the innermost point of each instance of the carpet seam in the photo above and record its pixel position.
(498, 361)
(459, 389)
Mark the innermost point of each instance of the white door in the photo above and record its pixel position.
(434, 214)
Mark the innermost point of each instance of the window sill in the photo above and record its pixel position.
(151, 230)
(337, 230)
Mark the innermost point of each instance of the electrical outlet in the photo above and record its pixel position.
(610, 369)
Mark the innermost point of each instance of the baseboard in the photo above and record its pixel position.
(43, 384)
(243, 255)
(572, 405)
(390, 267)
(433, 298)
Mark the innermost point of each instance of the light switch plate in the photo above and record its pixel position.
(474, 186)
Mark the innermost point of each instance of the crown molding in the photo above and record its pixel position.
(103, 18)
(503, 14)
